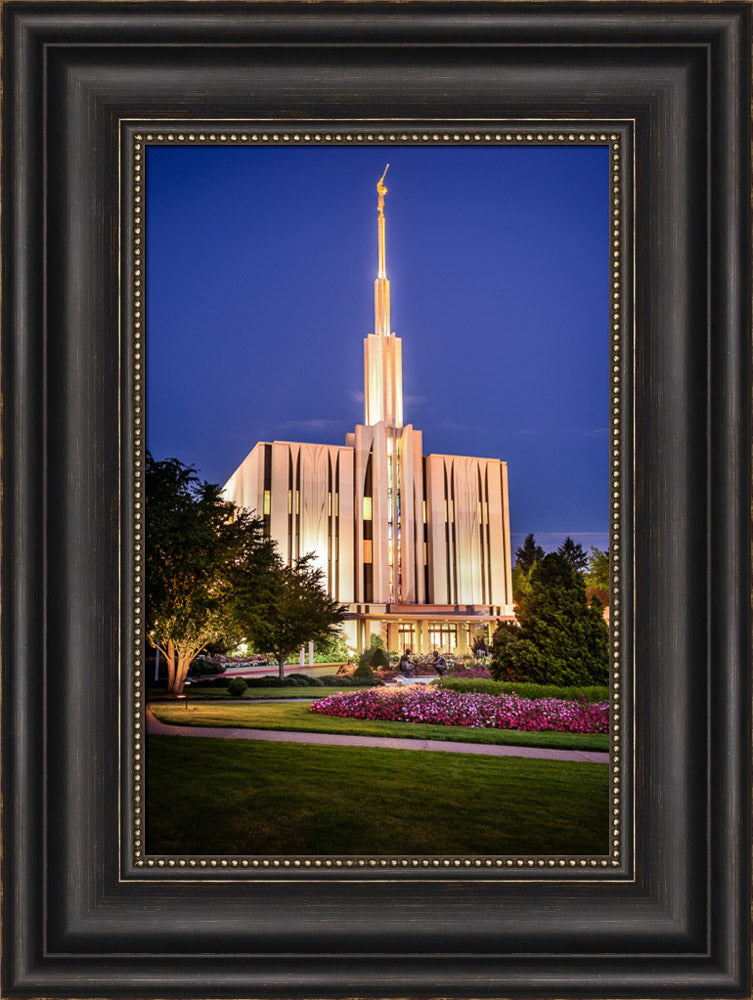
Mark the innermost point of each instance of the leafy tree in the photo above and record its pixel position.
(573, 552)
(207, 565)
(528, 553)
(295, 609)
(559, 638)
(597, 573)
(332, 649)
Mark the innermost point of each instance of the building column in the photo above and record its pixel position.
(423, 637)
(393, 636)
(464, 638)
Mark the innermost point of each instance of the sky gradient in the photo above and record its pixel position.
(259, 283)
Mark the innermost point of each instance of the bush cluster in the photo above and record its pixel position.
(301, 680)
(203, 666)
(336, 680)
(373, 658)
(291, 680)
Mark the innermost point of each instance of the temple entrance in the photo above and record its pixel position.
(443, 637)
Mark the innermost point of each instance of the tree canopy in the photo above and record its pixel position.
(208, 565)
(597, 572)
(559, 638)
(295, 609)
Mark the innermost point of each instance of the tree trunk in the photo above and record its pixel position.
(177, 669)
(184, 662)
(170, 658)
(281, 665)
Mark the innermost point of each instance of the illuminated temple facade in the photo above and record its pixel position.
(417, 546)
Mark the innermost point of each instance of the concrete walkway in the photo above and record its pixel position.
(155, 727)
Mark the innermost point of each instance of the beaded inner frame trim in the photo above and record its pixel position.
(135, 137)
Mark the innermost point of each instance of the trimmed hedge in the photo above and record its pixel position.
(301, 680)
(594, 693)
(216, 682)
(291, 680)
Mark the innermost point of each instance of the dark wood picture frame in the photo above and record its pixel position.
(77, 920)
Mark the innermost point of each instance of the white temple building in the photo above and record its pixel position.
(417, 546)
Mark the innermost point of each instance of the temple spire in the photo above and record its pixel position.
(383, 364)
(381, 285)
(382, 191)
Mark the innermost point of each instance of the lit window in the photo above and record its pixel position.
(290, 501)
(405, 632)
(443, 637)
(267, 501)
(426, 554)
(367, 556)
(298, 501)
(423, 510)
(452, 510)
(367, 508)
(329, 505)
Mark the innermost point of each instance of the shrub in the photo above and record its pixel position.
(236, 687)
(375, 656)
(363, 675)
(363, 671)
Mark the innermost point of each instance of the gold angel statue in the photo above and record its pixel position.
(382, 190)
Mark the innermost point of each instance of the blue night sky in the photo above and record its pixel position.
(260, 271)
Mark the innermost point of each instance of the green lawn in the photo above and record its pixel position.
(296, 716)
(217, 796)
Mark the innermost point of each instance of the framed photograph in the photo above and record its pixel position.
(155, 155)
(506, 254)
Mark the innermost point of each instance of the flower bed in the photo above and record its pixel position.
(452, 708)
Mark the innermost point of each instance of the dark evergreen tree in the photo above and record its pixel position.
(559, 638)
(528, 553)
(573, 552)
